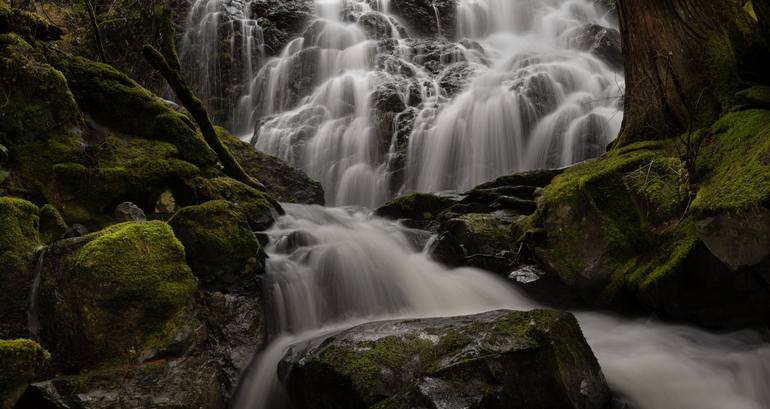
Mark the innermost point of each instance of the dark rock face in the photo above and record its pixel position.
(457, 77)
(377, 26)
(535, 359)
(283, 21)
(604, 43)
(427, 18)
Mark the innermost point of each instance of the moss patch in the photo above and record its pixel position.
(221, 248)
(20, 361)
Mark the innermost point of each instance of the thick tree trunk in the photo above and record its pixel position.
(682, 63)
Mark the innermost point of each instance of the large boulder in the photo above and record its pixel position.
(21, 360)
(620, 232)
(221, 248)
(499, 359)
(120, 295)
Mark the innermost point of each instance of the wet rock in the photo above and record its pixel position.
(221, 248)
(427, 18)
(129, 212)
(283, 21)
(604, 43)
(738, 241)
(456, 78)
(377, 26)
(415, 207)
(481, 240)
(504, 359)
(76, 230)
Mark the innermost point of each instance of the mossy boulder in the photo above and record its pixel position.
(114, 296)
(221, 248)
(260, 208)
(622, 230)
(21, 360)
(19, 241)
(52, 224)
(30, 25)
(504, 359)
(117, 102)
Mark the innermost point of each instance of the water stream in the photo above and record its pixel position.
(333, 268)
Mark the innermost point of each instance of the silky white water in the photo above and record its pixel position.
(524, 99)
(330, 269)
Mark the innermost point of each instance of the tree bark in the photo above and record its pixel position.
(95, 28)
(682, 63)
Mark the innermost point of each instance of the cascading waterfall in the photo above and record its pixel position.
(372, 113)
(331, 269)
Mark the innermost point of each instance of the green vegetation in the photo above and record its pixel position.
(21, 360)
(220, 245)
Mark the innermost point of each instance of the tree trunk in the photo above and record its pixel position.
(682, 63)
(762, 10)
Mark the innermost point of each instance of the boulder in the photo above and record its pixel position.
(499, 359)
(221, 248)
(618, 229)
(52, 224)
(120, 295)
(481, 240)
(418, 207)
(21, 361)
(377, 26)
(129, 212)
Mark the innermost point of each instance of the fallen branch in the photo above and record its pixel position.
(167, 64)
(95, 27)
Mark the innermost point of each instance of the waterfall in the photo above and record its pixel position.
(371, 112)
(330, 269)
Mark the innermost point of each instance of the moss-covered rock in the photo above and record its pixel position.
(535, 359)
(19, 241)
(52, 224)
(260, 209)
(112, 296)
(117, 102)
(621, 229)
(30, 25)
(415, 206)
(221, 248)
(21, 360)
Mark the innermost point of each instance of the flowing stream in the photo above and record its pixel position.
(333, 268)
(372, 112)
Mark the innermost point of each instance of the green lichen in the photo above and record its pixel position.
(20, 361)
(220, 244)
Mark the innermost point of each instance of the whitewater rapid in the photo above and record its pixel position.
(333, 268)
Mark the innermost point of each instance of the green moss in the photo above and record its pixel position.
(20, 361)
(260, 209)
(116, 101)
(52, 224)
(734, 165)
(415, 206)
(18, 242)
(220, 245)
(127, 169)
(109, 300)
